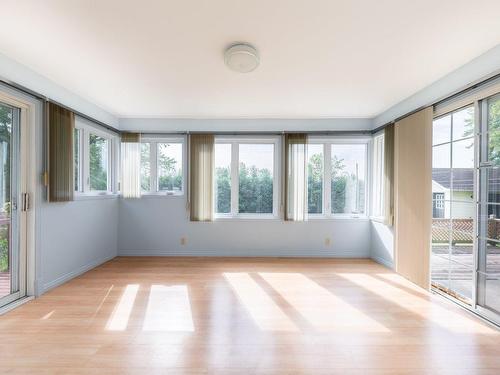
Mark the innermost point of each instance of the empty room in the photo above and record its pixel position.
(234, 187)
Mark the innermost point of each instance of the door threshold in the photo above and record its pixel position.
(468, 308)
(15, 304)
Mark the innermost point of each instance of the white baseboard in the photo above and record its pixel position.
(385, 262)
(285, 253)
(71, 275)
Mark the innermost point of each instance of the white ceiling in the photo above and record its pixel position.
(319, 58)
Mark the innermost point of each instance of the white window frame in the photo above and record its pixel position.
(86, 128)
(235, 142)
(153, 160)
(377, 168)
(327, 143)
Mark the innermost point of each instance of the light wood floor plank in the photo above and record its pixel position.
(244, 316)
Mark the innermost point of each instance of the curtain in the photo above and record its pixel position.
(389, 175)
(131, 165)
(201, 171)
(60, 132)
(296, 177)
(412, 196)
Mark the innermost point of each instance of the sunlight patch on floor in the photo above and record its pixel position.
(121, 314)
(168, 309)
(263, 310)
(322, 309)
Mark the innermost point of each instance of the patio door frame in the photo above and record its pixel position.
(26, 197)
(475, 98)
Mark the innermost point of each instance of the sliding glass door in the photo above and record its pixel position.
(488, 264)
(465, 249)
(453, 203)
(12, 258)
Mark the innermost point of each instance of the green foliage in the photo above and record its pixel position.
(255, 190)
(169, 177)
(494, 131)
(98, 171)
(223, 190)
(145, 167)
(315, 184)
(4, 248)
(5, 137)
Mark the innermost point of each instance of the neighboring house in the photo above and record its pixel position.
(462, 194)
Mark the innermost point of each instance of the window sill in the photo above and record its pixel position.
(338, 217)
(162, 195)
(378, 219)
(264, 217)
(93, 196)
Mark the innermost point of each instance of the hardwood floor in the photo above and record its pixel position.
(244, 316)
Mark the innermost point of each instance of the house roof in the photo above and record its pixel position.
(463, 179)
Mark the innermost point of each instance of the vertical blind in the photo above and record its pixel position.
(389, 175)
(295, 187)
(412, 191)
(201, 171)
(60, 133)
(131, 165)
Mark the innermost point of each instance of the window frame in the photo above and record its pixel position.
(153, 161)
(328, 142)
(85, 128)
(235, 141)
(377, 168)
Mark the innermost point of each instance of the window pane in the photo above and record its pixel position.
(77, 158)
(441, 130)
(256, 178)
(223, 178)
(463, 123)
(348, 178)
(315, 178)
(494, 130)
(170, 167)
(98, 161)
(146, 166)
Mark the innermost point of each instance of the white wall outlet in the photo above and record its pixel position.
(183, 241)
(328, 241)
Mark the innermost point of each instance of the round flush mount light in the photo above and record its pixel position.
(241, 57)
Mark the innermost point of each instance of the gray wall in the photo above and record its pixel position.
(155, 226)
(73, 237)
(76, 237)
(382, 243)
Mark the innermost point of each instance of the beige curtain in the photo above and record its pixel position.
(201, 171)
(296, 176)
(60, 133)
(389, 175)
(131, 165)
(412, 196)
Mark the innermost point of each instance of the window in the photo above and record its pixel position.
(378, 176)
(315, 175)
(348, 178)
(246, 180)
(95, 156)
(77, 159)
(98, 162)
(337, 176)
(162, 169)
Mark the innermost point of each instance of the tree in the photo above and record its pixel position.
(315, 184)
(98, 171)
(170, 176)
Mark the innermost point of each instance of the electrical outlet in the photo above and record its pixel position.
(328, 241)
(183, 241)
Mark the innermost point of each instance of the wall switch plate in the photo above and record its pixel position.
(328, 241)
(183, 241)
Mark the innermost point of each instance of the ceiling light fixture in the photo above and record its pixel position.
(241, 57)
